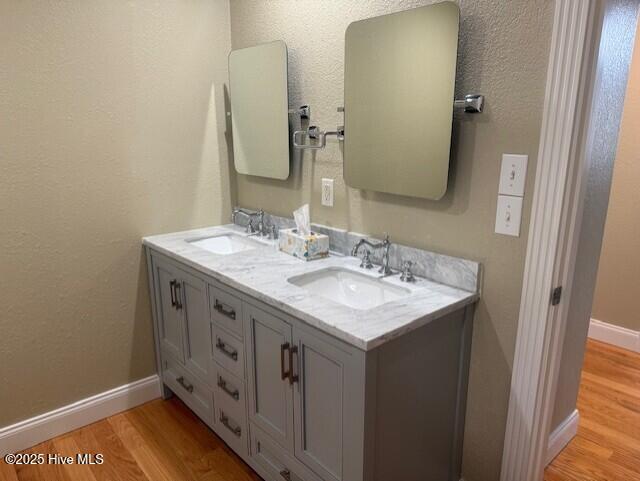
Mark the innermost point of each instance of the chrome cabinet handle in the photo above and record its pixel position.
(292, 376)
(286, 474)
(224, 419)
(223, 348)
(188, 387)
(172, 286)
(219, 306)
(222, 384)
(177, 286)
(284, 374)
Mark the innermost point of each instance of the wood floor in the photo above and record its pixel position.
(607, 446)
(158, 441)
(164, 440)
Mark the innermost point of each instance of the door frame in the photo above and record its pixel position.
(556, 220)
(554, 228)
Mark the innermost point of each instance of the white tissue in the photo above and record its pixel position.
(303, 223)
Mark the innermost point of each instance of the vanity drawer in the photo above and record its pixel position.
(276, 464)
(226, 310)
(231, 427)
(228, 351)
(230, 388)
(187, 387)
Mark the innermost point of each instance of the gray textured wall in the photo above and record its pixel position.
(614, 58)
(108, 133)
(617, 290)
(503, 53)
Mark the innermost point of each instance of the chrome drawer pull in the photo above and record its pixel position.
(188, 387)
(222, 384)
(219, 306)
(225, 421)
(286, 474)
(223, 347)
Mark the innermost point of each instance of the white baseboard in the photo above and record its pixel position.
(616, 335)
(562, 435)
(32, 431)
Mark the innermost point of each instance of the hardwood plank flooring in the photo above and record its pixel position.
(607, 447)
(158, 441)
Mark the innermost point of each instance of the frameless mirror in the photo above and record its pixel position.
(259, 110)
(399, 91)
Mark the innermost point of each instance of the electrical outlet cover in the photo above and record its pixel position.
(327, 192)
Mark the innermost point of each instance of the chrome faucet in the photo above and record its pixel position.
(250, 229)
(385, 270)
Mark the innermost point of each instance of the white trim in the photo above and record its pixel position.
(32, 431)
(562, 435)
(616, 335)
(540, 328)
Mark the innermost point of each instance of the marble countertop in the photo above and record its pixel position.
(263, 272)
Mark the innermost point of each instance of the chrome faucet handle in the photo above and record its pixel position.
(407, 275)
(261, 230)
(366, 260)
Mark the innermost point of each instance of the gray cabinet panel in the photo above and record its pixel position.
(275, 463)
(231, 389)
(231, 427)
(197, 348)
(226, 310)
(270, 396)
(169, 315)
(228, 351)
(319, 405)
(192, 391)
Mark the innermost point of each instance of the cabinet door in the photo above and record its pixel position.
(319, 404)
(197, 332)
(169, 315)
(270, 396)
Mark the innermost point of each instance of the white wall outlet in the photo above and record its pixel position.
(513, 174)
(327, 192)
(508, 215)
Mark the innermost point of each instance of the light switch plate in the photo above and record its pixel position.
(513, 174)
(327, 192)
(508, 215)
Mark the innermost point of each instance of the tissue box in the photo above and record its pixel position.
(308, 248)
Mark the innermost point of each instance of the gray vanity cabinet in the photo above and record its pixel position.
(305, 391)
(183, 317)
(298, 404)
(195, 311)
(268, 342)
(319, 404)
(169, 315)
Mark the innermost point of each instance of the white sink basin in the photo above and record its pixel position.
(349, 288)
(224, 244)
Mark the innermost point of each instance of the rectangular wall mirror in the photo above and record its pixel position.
(259, 110)
(399, 91)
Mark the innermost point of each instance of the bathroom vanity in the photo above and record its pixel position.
(316, 370)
